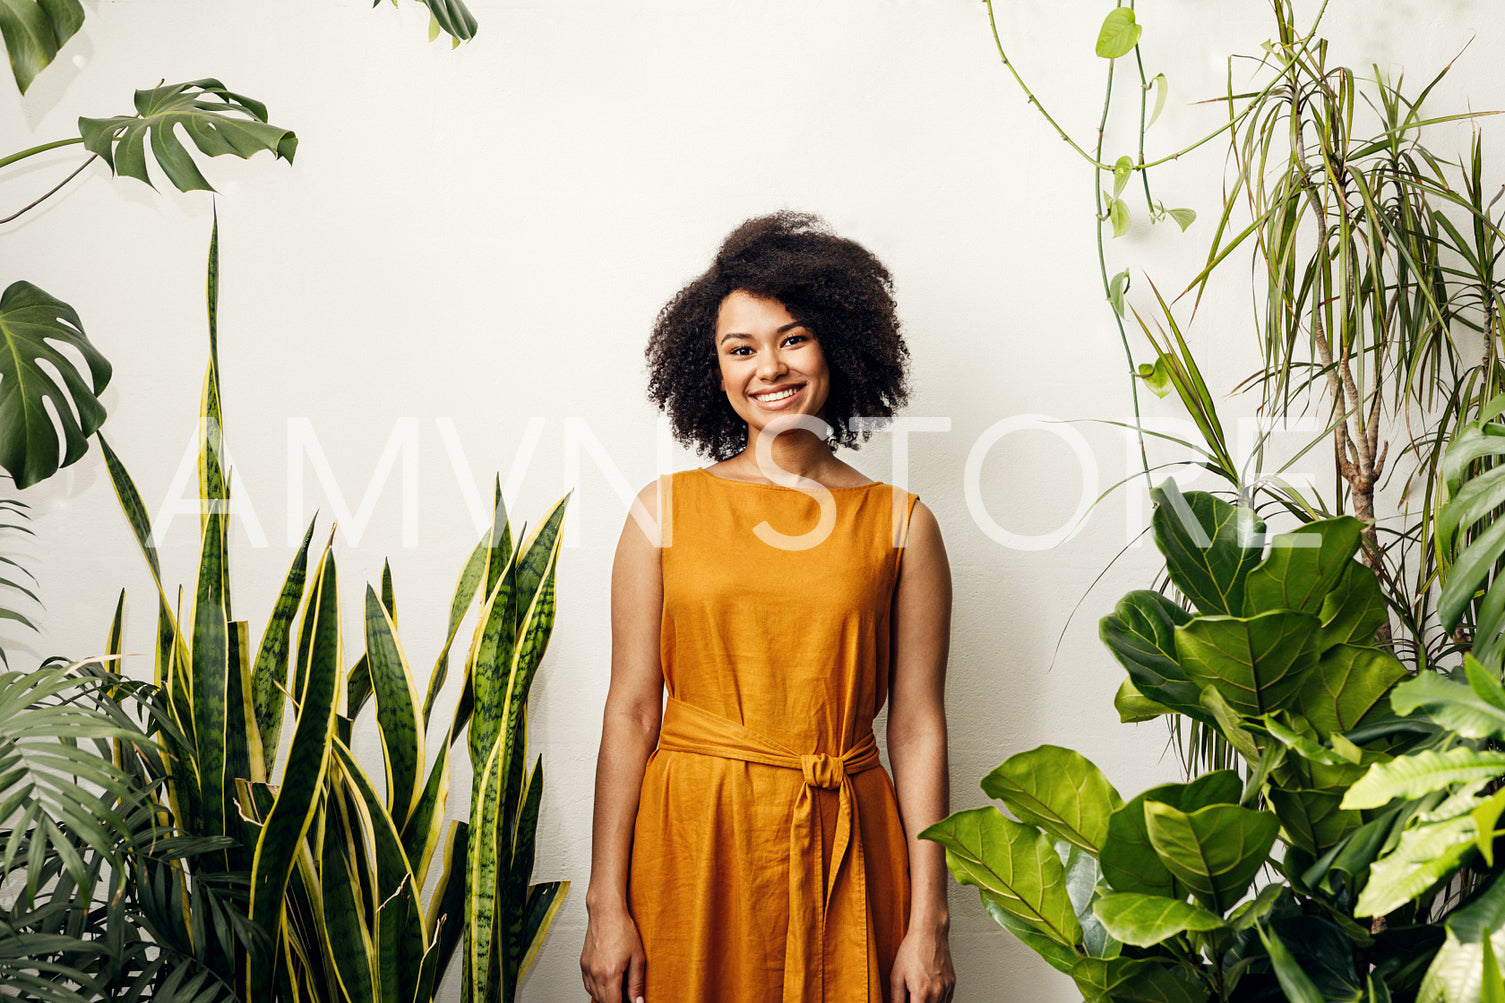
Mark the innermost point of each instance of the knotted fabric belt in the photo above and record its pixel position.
(816, 969)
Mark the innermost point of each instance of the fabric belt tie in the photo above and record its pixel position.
(816, 970)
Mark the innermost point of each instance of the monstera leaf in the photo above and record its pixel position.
(33, 325)
(34, 30)
(217, 120)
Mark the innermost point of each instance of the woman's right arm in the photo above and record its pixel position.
(613, 954)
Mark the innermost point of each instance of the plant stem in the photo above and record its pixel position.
(56, 188)
(14, 157)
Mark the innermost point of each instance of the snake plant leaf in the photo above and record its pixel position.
(1215, 851)
(1473, 710)
(425, 824)
(1146, 920)
(1129, 862)
(1060, 791)
(217, 120)
(519, 858)
(211, 668)
(1012, 861)
(1257, 664)
(1056, 955)
(1302, 566)
(544, 902)
(539, 551)
(1425, 855)
(308, 757)
(538, 625)
(351, 947)
(1349, 687)
(490, 668)
(1141, 634)
(471, 576)
(399, 928)
(396, 710)
(446, 916)
(1354, 610)
(482, 873)
(1422, 773)
(269, 675)
(499, 541)
(35, 325)
(1119, 33)
(34, 31)
(1209, 545)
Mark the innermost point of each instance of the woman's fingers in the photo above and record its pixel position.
(637, 978)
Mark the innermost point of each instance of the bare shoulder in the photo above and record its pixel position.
(641, 530)
(924, 528)
(924, 556)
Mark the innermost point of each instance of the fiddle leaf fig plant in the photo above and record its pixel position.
(1174, 900)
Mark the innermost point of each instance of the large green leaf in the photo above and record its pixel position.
(1058, 790)
(1350, 685)
(1214, 851)
(218, 121)
(1456, 971)
(1354, 610)
(1138, 980)
(1422, 773)
(1425, 855)
(1209, 546)
(1313, 819)
(34, 325)
(1013, 862)
(1146, 920)
(1057, 955)
(34, 31)
(1084, 886)
(1475, 710)
(1294, 982)
(1141, 633)
(1129, 862)
(269, 677)
(453, 18)
(1258, 664)
(1302, 566)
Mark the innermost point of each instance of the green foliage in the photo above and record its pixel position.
(1275, 662)
(34, 30)
(34, 326)
(335, 868)
(218, 121)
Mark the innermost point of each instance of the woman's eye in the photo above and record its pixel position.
(795, 339)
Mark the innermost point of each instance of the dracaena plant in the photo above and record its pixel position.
(334, 864)
(1238, 884)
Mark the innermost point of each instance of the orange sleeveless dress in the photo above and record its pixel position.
(769, 864)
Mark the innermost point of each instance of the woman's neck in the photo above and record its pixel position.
(795, 453)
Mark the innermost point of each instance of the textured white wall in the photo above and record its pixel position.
(466, 256)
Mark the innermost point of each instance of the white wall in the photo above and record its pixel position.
(482, 238)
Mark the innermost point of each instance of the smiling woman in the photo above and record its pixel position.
(749, 846)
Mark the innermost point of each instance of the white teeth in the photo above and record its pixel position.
(778, 396)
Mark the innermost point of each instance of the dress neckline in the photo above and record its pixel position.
(785, 487)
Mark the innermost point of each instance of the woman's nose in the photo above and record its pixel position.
(771, 364)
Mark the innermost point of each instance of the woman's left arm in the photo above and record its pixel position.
(921, 625)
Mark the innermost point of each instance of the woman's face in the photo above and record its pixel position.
(771, 364)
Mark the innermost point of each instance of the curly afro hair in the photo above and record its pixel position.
(833, 286)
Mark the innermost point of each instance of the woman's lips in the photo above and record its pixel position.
(777, 400)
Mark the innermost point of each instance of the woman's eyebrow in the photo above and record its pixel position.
(739, 334)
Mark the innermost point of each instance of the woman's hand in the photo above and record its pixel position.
(613, 964)
(922, 969)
